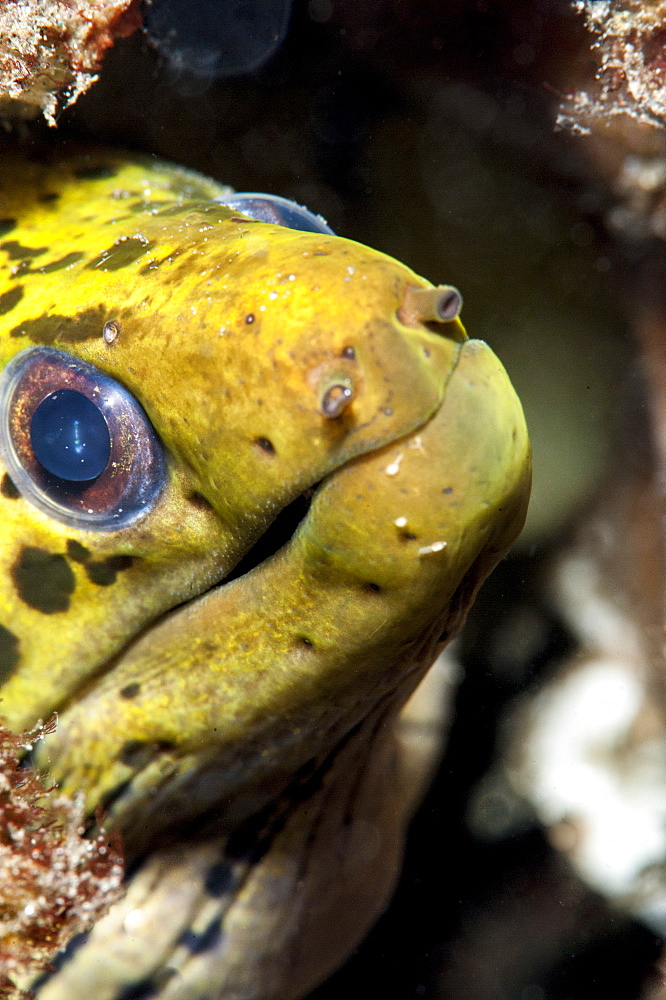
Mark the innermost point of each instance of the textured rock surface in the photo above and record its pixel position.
(51, 50)
(630, 45)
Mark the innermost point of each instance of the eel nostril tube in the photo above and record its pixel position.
(336, 398)
(430, 305)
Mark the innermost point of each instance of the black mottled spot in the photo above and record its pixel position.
(147, 988)
(199, 944)
(10, 657)
(49, 196)
(219, 879)
(144, 990)
(265, 445)
(251, 840)
(374, 587)
(62, 262)
(104, 572)
(131, 690)
(86, 325)
(448, 489)
(10, 299)
(16, 250)
(408, 536)
(8, 489)
(138, 753)
(99, 172)
(121, 254)
(6, 226)
(44, 580)
(79, 553)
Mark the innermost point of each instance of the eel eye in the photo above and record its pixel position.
(76, 443)
(70, 437)
(278, 211)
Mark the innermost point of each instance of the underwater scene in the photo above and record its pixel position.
(332, 413)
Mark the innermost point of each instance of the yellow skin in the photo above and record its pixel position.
(259, 712)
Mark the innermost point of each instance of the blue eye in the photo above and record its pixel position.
(70, 436)
(278, 211)
(76, 443)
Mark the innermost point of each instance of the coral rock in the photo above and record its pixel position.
(50, 50)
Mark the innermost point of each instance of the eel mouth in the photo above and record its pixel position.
(277, 534)
(274, 538)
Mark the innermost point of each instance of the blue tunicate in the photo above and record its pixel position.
(70, 437)
(279, 211)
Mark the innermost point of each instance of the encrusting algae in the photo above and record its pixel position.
(54, 882)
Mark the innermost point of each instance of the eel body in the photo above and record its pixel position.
(297, 476)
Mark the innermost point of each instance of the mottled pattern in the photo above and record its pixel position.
(103, 572)
(86, 325)
(43, 580)
(338, 477)
(15, 251)
(10, 655)
(10, 299)
(60, 263)
(126, 251)
(8, 489)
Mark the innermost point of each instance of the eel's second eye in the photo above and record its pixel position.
(70, 436)
(76, 443)
(279, 211)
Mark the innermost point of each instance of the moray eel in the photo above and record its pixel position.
(299, 471)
